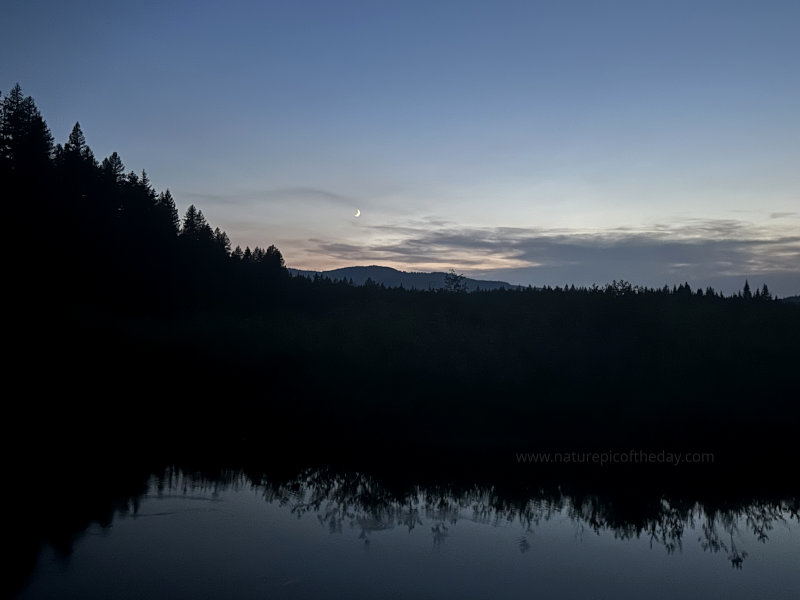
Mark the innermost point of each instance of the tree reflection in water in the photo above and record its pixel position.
(340, 500)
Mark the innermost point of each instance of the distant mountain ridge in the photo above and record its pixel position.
(390, 277)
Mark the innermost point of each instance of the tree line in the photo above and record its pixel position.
(87, 232)
(116, 294)
(95, 234)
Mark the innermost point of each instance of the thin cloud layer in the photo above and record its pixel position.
(695, 251)
(291, 194)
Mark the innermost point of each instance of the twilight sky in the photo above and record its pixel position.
(542, 142)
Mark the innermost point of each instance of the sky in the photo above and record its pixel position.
(539, 142)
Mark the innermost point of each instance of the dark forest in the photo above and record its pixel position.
(132, 326)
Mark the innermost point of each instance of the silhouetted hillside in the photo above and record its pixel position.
(134, 326)
(393, 278)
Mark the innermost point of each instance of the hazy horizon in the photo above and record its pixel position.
(727, 285)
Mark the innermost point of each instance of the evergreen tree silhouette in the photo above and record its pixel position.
(26, 144)
(222, 241)
(168, 212)
(195, 227)
(113, 169)
(274, 259)
(76, 146)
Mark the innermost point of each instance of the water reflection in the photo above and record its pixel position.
(361, 507)
(360, 502)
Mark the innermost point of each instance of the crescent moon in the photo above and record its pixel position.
(358, 213)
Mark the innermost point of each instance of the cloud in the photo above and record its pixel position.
(783, 215)
(309, 193)
(205, 197)
(291, 194)
(694, 250)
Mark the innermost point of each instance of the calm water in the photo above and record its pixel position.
(324, 535)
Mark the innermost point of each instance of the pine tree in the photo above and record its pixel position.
(274, 259)
(168, 211)
(76, 147)
(195, 226)
(112, 168)
(147, 187)
(26, 144)
(222, 241)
